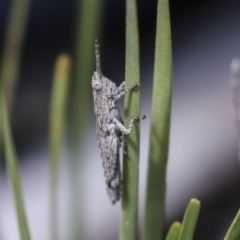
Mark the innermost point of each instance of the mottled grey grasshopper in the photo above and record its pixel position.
(109, 125)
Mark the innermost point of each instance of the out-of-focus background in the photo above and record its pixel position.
(203, 147)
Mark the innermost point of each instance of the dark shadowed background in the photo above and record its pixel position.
(203, 147)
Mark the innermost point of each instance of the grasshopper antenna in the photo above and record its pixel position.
(97, 56)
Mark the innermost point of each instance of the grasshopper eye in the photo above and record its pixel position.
(96, 84)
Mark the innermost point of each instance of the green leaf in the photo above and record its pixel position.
(131, 108)
(160, 126)
(88, 28)
(57, 120)
(173, 231)
(190, 220)
(13, 171)
(10, 59)
(233, 232)
(15, 35)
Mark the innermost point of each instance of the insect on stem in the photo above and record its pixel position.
(109, 125)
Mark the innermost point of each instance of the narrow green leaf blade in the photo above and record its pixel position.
(13, 171)
(131, 108)
(190, 220)
(233, 232)
(57, 120)
(88, 28)
(10, 59)
(14, 38)
(160, 126)
(173, 231)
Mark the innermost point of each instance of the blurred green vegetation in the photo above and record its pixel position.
(87, 29)
(57, 123)
(9, 73)
(13, 170)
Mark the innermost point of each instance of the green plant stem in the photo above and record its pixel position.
(13, 171)
(233, 232)
(57, 120)
(88, 28)
(190, 220)
(160, 126)
(131, 108)
(10, 59)
(15, 34)
(173, 231)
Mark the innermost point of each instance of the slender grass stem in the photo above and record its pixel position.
(131, 108)
(88, 28)
(15, 34)
(190, 220)
(10, 59)
(160, 126)
(13, 170)
(57, 120)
